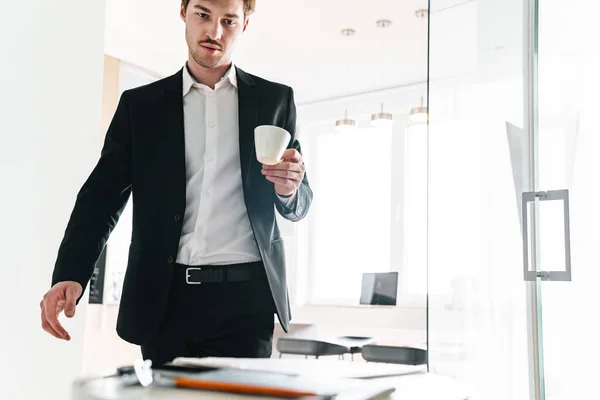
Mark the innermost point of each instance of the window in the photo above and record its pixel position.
(349, 228)
(415, 211)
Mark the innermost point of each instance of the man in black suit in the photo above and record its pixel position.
(206, 269)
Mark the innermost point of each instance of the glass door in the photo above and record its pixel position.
(565, 203)
(483, 316)
(512, 197)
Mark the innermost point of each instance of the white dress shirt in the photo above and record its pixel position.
(216, 229)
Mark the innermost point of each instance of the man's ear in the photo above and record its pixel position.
(182, 12)
(246, 24)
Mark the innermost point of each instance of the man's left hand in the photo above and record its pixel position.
(288, 174)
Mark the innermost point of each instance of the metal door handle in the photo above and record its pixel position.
(530, 197)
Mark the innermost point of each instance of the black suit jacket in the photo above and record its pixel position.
(143, 154)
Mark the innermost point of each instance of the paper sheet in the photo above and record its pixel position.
(303, 367)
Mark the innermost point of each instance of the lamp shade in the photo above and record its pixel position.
(382, 119)
(419, 113)
(346, 124)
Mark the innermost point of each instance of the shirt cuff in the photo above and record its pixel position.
(287, 201)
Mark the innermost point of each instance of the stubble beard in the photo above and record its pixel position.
(195, 53)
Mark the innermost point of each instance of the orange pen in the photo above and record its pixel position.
(239, 388)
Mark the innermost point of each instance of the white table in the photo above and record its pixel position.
(423, 386)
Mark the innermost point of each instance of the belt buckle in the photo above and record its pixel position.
(187, 275)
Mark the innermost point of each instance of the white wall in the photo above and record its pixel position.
(51, 77)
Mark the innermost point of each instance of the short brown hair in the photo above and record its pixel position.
(249, 6)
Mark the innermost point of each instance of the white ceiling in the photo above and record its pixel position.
(298, 42)
(290, 41)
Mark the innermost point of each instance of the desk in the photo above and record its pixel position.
(423, 386)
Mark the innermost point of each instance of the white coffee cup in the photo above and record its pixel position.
(270, 142)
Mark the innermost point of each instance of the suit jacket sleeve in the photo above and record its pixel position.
(99, 203)
(303, 197)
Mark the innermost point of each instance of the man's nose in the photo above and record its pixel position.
(215, 31)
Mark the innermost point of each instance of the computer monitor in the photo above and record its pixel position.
(379, 288)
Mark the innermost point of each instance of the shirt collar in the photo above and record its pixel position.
(189, 81)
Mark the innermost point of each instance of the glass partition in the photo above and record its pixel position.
(512, 193)
(568, 145)
(478, 166)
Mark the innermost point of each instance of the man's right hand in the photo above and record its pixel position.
(61, 297)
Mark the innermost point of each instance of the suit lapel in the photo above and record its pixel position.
(248, 104)
(172, 104)
(173, 131)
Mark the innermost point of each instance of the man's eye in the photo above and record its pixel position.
(229, 22)
(202, 15)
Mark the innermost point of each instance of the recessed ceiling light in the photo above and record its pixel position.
(422, 13)
(383, 23)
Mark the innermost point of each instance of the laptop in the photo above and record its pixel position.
(379, 288)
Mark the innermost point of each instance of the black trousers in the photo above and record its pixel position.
(216, 319)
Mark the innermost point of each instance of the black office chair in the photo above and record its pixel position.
(309, 347)
(394, 355)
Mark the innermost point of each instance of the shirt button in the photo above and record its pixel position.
(170, 260)
(177, 217)
(211, 159)
(211, 95)
(211, 124)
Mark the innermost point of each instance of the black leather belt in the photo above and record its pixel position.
(218, 273)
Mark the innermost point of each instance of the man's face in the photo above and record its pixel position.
(212, 29)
